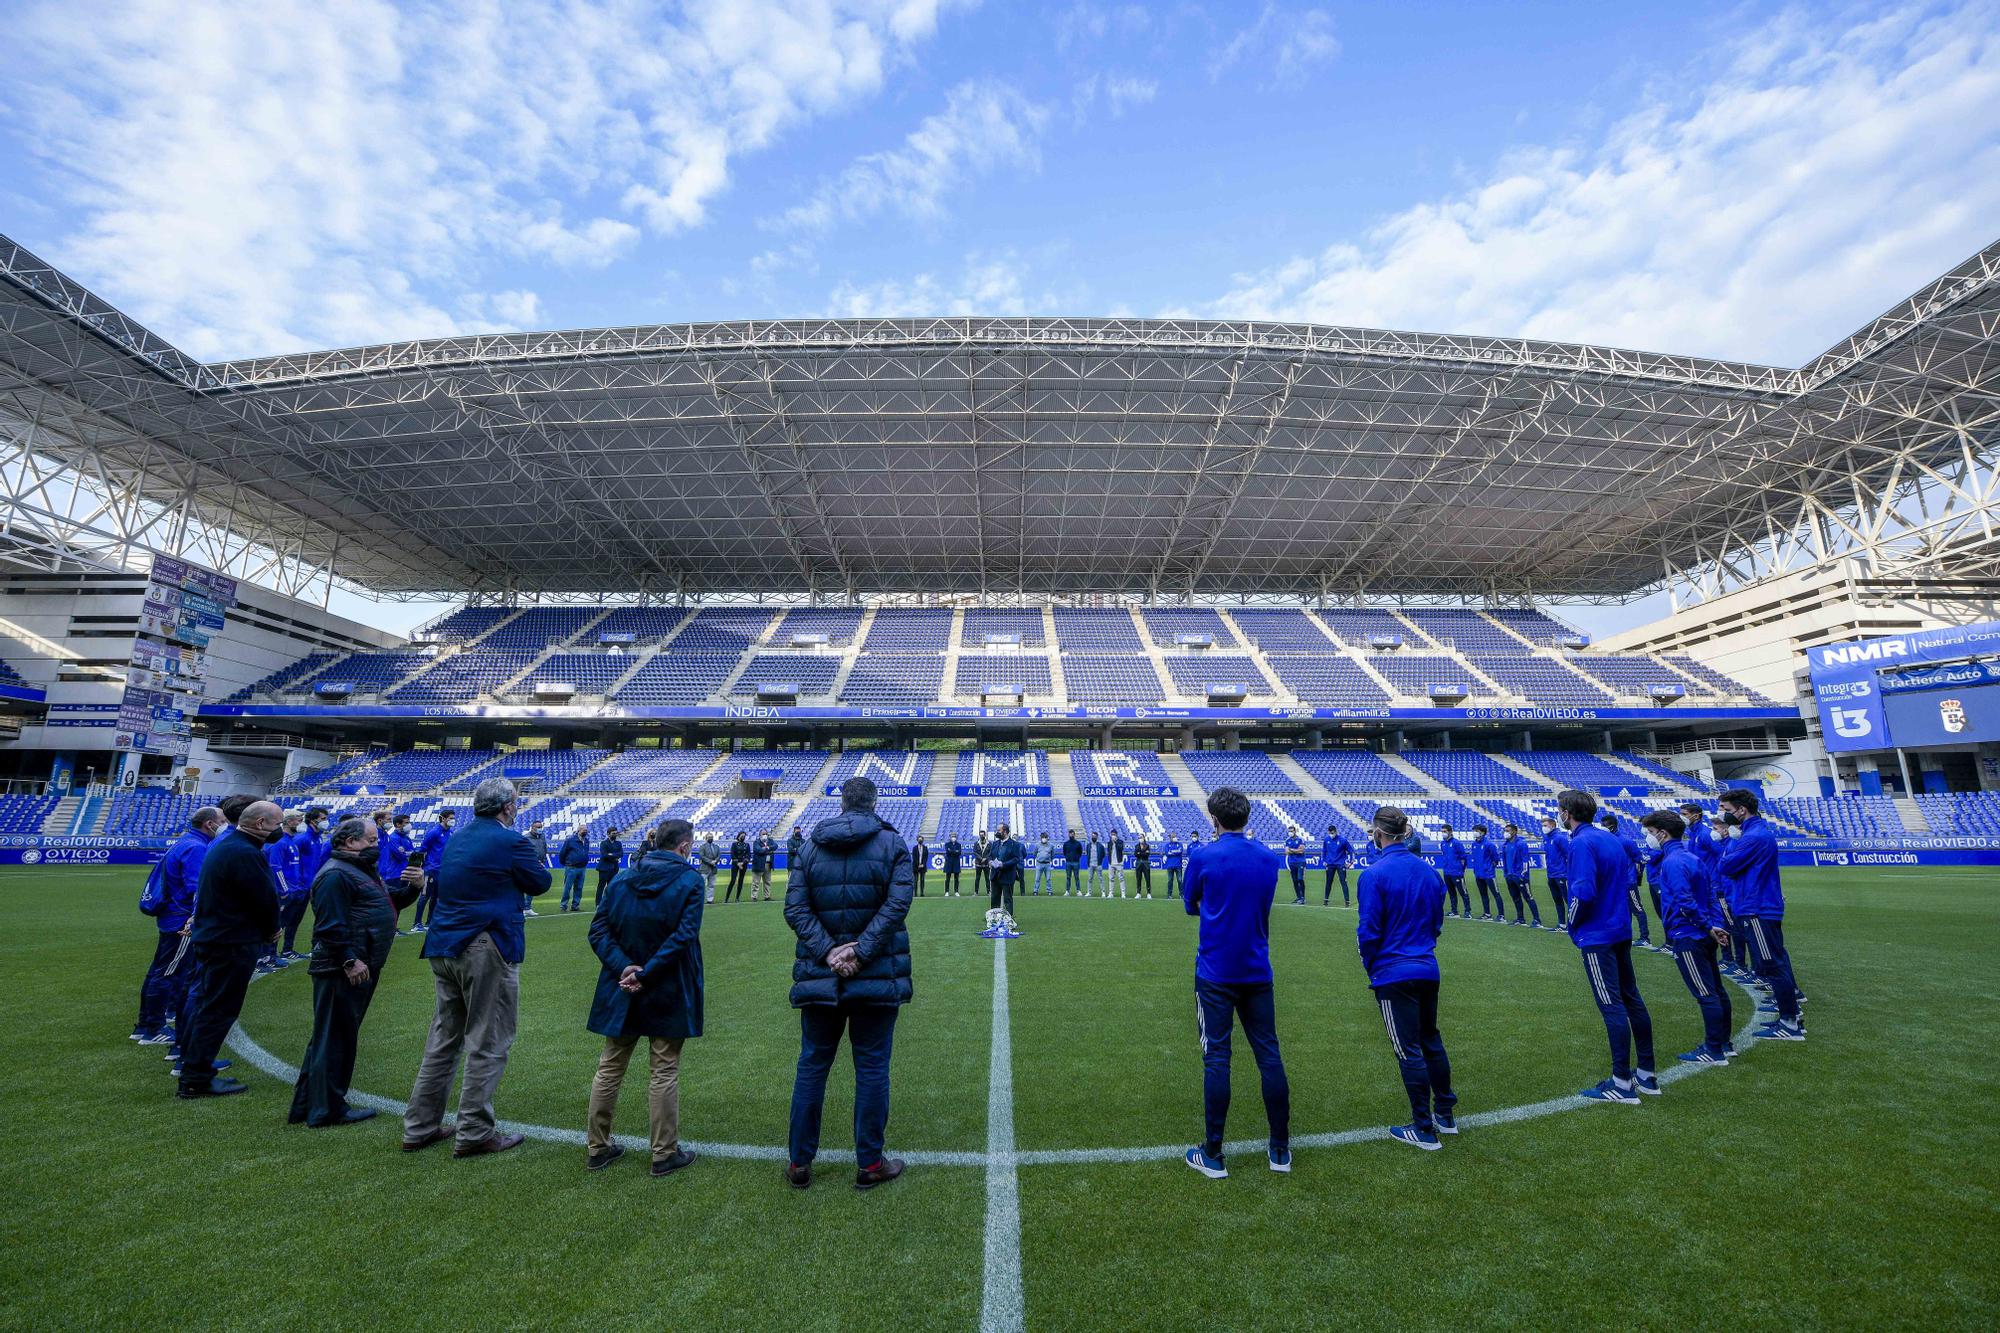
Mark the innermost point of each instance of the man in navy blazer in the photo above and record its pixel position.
(475, 946)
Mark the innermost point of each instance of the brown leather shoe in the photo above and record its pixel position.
(438, 1135)
(491, 1143)
(799, 1177)
(881, 1173)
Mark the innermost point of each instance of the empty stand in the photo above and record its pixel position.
(1469, 771)
(1542, 679)
(1096, 630)
(1167, 625)
(1246, 770)
(1361, 772)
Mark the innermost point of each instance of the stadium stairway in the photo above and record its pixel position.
(1062, 786)
(1360, 659)
(1431, 786)
(1912, 815)
(1168, 690)
(1058, 682)
(944, 776)
(1181, 776)
(1309, 786)
(58, 822)
(742, 664)
(1513, 766)
(949, 680)
(1686, 788)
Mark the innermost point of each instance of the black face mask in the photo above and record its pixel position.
(1730, 817)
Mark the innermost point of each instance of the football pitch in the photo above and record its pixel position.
(1847, 1182)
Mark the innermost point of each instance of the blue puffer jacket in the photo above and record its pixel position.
(852, 883)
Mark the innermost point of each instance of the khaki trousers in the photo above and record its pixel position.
(663, 1093)
(478, 999)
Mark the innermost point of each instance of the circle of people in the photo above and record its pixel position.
(229, 896)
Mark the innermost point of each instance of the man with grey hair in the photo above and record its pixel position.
(475, 946)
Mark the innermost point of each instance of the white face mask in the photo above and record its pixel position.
(1657, 838)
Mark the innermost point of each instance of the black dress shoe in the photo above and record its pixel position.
(597, 1161)
(881, 1173)
(221, 1087)
(666, 1166)
(353, 1115)
(799, 1177)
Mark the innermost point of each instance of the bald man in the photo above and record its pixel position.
(235, 920)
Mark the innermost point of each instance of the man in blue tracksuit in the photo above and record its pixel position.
(433, 853)
(304, 864)
(574, 857)
(1295, 862)
(1485, 859)
(1402, 913)
(1707, 849)
(1555, 859)
(1601, 881)
(1173, 855)
(1451, 866)
(1336, 853)
(170, 902)
(283, 854)
(1230, 883)
(1630, 842)
(1692, 923)
(1514, 864)
(1749, 860)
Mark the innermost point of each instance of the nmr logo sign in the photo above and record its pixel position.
(1856, 654)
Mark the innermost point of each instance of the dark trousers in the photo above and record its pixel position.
(1142, 879)
(1173, 881)
(1739, 943)
(980, 876)
(160, 994)
(225, 976)
(1487, 889)
(871, 1031)
(1559, 894)
(320, 1096)
(427, 900)
(572, 889)
(1704, 982)
(605, 874)
(1217, 1006)
(1608, 968)
(734, 893)
(1456, 898)
(1410, 1013)
(951, 880)
(920, 883)
(1330, 873)
(1518, 890)
(1773, 963)
(1298, 883)
(291, 911)
(1002, 893)
(1645, 926)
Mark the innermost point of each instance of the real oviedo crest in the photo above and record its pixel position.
(1952, 713)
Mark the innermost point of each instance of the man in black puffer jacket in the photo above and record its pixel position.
(849, 893)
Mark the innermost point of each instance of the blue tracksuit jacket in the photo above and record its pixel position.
(1749, 861)
(1601, 879)
(1687, 898)
(283, 854)
(1514, 858)
(1450, 858)
(1485, 856)
(1229, 884)
(393, 855)
(1401, 902)
(1335, 852)
(434, 843)
(1555, 850)
(180, 876)
(1700, 840)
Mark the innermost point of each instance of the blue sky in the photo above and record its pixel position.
(1737, 180)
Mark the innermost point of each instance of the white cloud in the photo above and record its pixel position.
(985, 285)
(254, 177)
(1813, 177)
(1283, 41)
(1121, 92)
(984, 126)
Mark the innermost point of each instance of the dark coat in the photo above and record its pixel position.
(650, 918)
(952, 853)
(236, 898)
(852, 883)
(610, 856)
(574, 853)
(762, 853)
(1007, 857)
(354, 915)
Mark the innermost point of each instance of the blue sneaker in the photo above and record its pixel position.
(1415, 1137)
(1701, 1055)
(1445, 1122)
(1781, 1031)
(1609, 1091)
(1281, 1160)
(1211, 1167)
(1647, 1083)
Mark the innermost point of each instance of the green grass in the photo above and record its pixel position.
(1847, 1182)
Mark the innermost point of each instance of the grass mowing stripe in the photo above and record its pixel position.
(1002, 1309)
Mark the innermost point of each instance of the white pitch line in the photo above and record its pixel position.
(1002, 1307)
(1002, 1161)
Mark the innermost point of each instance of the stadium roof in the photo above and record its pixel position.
(1001, 457)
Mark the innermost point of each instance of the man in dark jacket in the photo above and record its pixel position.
(354, 923)
(610, 860)
(849, 893)
(794, 846)
(982, 861)
(1008, 855)
(739, 867)
(954, 851)
(575, 857)
(647, 936)
(763, 853)
(1072, 862)
(235, 921)
(920, 862)
(475, 946)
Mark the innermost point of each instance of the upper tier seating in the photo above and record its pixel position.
(540, 627)
(1632, 677)
(994, 672)
(1166, 624)
(1280, 631)
(894, 681)
(1362, 772)
(1667, 776)
(367, 673)
(675, 677)
(811, 673)
(1245, 770)
(1327, 682)
(1712, 678)
(1534, 626)
(1585, 772)
(468, 622)
(1096, 630)
(591, 673)
(1470, 771)
(463, 677)
(1194, 674)
(649, 770)
(799, 767)
(1413, 674)
(283, 676)
(1467, 631)
(646, 624)
(1358, 625)
(1110, 680)
(553, 768)
(909, 629)
(728, 630)
(838, 623)
(981, 621)
(1542, 679)
(415, 770)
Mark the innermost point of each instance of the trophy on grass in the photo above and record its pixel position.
(999, 925)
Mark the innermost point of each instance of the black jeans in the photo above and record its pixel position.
(320, 1096)
(919, 877)
(1142, 879)
(1002, 893)
(225, 976)
(1216, 1006)
(951, 879)
(734, 892)
(1410, 1013)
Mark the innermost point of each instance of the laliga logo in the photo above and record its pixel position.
(1952, 713)
(1851, 723)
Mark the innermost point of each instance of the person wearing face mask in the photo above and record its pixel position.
(1555, 860)
(303, 862)
(1629, 840)
(354, 926)
(1702, 840)
(1693, 928)
(1601, 884)
(282, 851)
(1401, 907)
(235, 920)
(1749, 860)
(1514, 865)
(1451, 869)
(1295, 866)
(1485, 859)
